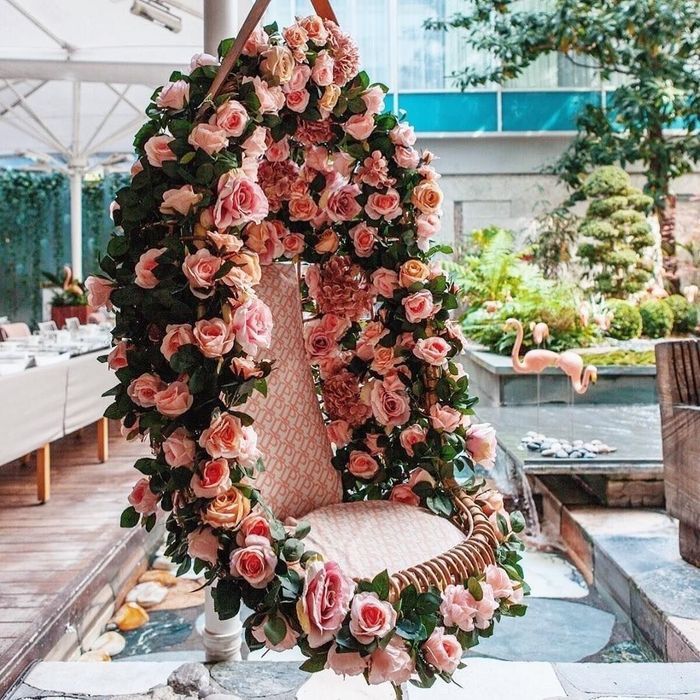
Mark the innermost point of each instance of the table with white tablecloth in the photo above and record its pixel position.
(42, 404)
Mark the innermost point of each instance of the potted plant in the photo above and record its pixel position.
(70, 298)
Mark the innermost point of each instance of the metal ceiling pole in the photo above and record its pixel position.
(76, 168)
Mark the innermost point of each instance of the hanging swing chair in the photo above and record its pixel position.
(283, 339)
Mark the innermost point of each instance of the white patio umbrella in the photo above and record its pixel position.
(76, 75)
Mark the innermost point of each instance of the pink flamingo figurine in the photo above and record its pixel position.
(536, 361)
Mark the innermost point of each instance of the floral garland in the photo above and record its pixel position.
(297, 160)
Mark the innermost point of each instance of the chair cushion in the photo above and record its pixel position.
(366, 537)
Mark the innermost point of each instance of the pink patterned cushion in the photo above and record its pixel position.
(292, 437)
(367, 537)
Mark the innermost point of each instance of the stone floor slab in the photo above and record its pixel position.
(329, 686)
(549, 575)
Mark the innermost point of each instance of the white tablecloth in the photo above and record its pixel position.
(43, 404)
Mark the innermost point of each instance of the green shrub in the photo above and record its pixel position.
(685, 315)
(626, 320)
(657, 318)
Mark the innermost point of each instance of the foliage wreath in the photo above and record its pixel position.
(296, 160)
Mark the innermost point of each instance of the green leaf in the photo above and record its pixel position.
(314, 664)
(475, 588)
(130, 518)
(380, 584)
(227, 598)
(275, 629)
(146, 465)
(411, 629)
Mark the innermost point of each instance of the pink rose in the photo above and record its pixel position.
(389, 402)
(117, 358)
(293, 245)
(442, 651)
(213, 337)
(372, 442)
(158, 151)
(340, 203)
(372, 333)
(298, 100)
(427, 225)
(322, 72)
(362, 465)
(346, 663)
(460, 609)
(271, 97)
(175, 337)
(363, 238)
(404, 493)
(208, 137)
(144, 268)
(315, 29)
(278, 150)
(264, 239)
(339, 432)
(174, 95)
(179, 449)
(432, 350)
(491, 501)
(374, 99)
(419, 306)
(387, 205)
(324, 602)
(223, 436)
(142, 498)
(370, 617)
(200, 60)
(385, 282)
(252, 325)
(411, 436)
(179, 200)
(231, 117)
(240, 200)
(253, 524)
(481, 444)
(296, 37)
(174, 400)
(256, 43)
(445, 418)
(360, 126)
(318, 341)
(203, 544)
(200, 270)
(214, 479)
(142, 390)
(245, 368)
(302, 208)
(403, 135)
(255, 562)
(499, 581)
(391, 664)
(300, 77)
(288, 642)
(136, 168)
(337, 326)
(406, 157)
(420, 476)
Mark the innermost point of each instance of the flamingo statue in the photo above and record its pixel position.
(536, 361)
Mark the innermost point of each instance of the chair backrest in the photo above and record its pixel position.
(292, 437)
(678, 374)
(14, 330)
(47, 326)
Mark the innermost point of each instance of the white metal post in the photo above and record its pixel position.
(76, 219)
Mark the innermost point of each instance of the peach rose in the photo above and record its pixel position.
(481, 444)
(370, 617)
(372, 333)
(427, 197)
(253, 524)
(406, 157)
(329, 99)
(293, 245)
(179, 449)
(328, 242)
(339, 432)
(142, 390)
(278, 62)
(391, 664)
(174, 400)
(200, 270)
(158, 151)
(214, 479)
(203, 544)
(302, 208)
(174, 95)
(413, 271)
(384, 360)
(213, 337)
(322, 71)
(363, 238)
(386, 205)
(209, 138)
(227, 510)
(419, 306)
(252, 325)
(442, 651)
(491, 501)
(445, 418)
(179, 200)
(411, 436)
(389, 402)
(117, 358)
(255, 562)
(223, 436)
(298, 100)
(404, 493)
(315, 29)
(433, 350)
(296, 37)
(240, 200)
(264, 239)
(143, 500)
(340, 203)
(176, 335)
(248, 263)
(231, 117)
(403, 135)
(362, 465)
(385, 282)
(374, 99)
(324, 602)
(144, 268)
(245, 368)
(288, 642)
(360, 126)
(346, 663)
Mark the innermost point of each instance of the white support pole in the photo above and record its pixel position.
(220, 21)
(76, 219)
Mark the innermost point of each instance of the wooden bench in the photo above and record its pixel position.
(678, 385)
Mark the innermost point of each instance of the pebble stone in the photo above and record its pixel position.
(560, 448)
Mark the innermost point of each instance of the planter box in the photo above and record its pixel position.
(495, 382)
(59, 314)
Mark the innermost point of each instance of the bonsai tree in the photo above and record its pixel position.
(657, 318)
(626, 321)
(650, 118)
(615, 233)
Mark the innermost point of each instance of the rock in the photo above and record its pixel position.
(111, 643)
(534, 446)
(576, 454)
(165, 692)
(147, 594)
(561, 454)
(164, 578)
(96, 655)
(130, 616)
(548, 452)
(191, 678)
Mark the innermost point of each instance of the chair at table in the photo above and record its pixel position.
(12, 331)
(47, 326)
